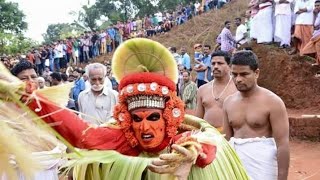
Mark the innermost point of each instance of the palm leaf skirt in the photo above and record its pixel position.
(111, 165)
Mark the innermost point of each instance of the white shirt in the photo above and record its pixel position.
(305, 18)
(240, 32)
(197, 5)
(284, 9)
(97, 109)
(58, 51)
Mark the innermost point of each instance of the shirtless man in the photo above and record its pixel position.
(256, 121)
(211, 95)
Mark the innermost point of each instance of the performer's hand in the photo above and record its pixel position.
(178, 163)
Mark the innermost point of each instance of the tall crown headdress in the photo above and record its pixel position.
(147, 74)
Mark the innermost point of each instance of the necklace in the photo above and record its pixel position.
(218, 98)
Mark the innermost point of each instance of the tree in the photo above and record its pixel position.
(59, 31)
(89, 16)
(12, 25)
(126, 9)
(11, 18)
(12, 44)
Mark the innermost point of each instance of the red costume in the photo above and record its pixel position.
(82, 135)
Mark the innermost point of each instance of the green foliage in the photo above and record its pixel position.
(12, 44)
(127, 9)
(172, 4)
(12, 25)
(88, 16)
(11, 18)
(61, 31)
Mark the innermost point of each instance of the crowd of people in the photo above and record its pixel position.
(249, 115)
(73, 51)
(290, 24)
(68, 60)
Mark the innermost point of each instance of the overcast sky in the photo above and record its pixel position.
(41, 13)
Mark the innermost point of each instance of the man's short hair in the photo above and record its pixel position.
(41, 79)
(317, 1)
(173, 49)
(238, 19)
(224, 54)
(56, 75)
(189, 73)
(226, 22)
(80, 71)
(207, 45)
(64, 77)
(96, 66)
(245, 58)
(21, 66)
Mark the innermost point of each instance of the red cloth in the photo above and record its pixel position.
(79, 134)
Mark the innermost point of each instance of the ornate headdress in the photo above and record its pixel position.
(148, 74)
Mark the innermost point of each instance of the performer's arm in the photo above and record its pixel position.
(65, 122)
(78, 133)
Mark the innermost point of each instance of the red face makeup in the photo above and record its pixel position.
(148, 126)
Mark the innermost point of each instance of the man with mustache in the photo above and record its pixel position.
(211, 95)
(96, 104)
(152, 138)
(44, 146)
(256, 122)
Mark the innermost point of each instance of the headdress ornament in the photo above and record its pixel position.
(147, 74)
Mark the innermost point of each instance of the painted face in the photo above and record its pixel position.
(220, 67)
(148, 126)
(244, 78)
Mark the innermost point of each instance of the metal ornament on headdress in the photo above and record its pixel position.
(139, 56)
(144, 101)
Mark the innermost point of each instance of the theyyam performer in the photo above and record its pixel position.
(151, 137)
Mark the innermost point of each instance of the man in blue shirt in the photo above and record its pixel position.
(204, 68)
(186, 61)
(112, 33)
(79, 85)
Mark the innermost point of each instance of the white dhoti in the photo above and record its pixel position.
(253, 28)
(264, 25)
(282, 32)
(49, 162)
(258, 156)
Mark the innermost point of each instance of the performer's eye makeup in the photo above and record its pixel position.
(154, 117)
(136, 118)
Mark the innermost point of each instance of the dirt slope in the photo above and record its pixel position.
(203, 29)
(291, 77)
